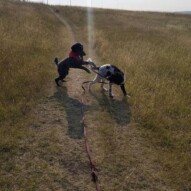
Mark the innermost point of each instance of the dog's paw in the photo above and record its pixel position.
(127, 95)
(91, 64)
(111, 95)
(89, 60)
(89, 71)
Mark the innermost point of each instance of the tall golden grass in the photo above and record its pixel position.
(29, 40)
(30, 37)
(154, 51)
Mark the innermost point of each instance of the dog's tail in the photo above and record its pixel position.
(56, 61)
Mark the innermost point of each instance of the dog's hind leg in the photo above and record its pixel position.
(96, 79)
(110, 90)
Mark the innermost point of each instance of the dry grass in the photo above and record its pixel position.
(142, 143)
(154, 51)
(24, 50)
(30, 38)
(156, 58)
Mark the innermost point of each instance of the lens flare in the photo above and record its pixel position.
(90, 27)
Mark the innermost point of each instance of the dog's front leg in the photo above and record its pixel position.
(96, 79)
(102, 85)
(90, 84)
(110, 90)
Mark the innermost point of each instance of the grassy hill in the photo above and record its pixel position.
(149, 151)
(154, 51)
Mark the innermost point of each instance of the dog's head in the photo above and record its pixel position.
(79, 49)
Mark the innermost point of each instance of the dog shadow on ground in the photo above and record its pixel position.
(72, 109)
(118, 109)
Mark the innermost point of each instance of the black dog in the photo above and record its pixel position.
(75, 60)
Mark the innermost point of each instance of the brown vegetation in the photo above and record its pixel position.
(140, 143)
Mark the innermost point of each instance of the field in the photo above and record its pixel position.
(138, 143)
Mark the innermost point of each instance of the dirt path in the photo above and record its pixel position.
(58, 142)
(65, 23)
(55, 157)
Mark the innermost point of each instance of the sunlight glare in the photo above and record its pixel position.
(90, 26)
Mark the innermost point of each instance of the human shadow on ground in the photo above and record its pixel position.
(72, 108)
(119, 110)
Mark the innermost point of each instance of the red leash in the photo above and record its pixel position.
(92, 166)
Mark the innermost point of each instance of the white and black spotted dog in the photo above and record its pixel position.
(111, 73)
